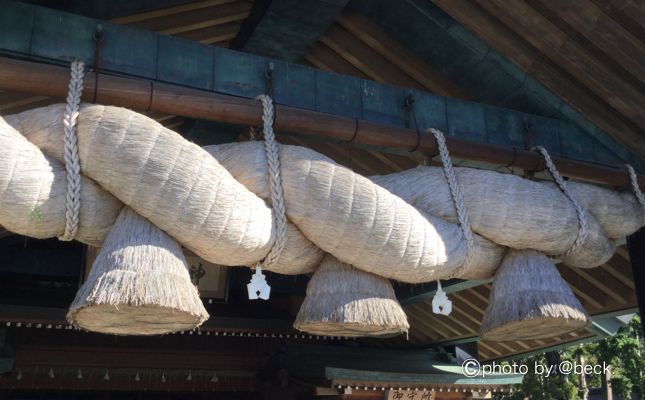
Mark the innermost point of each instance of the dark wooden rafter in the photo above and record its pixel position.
(368, 60)
(54, 318)
(285, 29)
(636, 244)
(356, 46)
(180, 20)
(549, 39)
(397, 54)
(549, 46)
(248, 26)
(326, 59)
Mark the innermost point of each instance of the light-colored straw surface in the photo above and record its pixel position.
(139, 284)
(33, 189)
(402, 228)
(530, 300)
(344, 301)
(523, 214)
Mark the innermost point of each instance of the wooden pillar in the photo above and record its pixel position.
(636, 245)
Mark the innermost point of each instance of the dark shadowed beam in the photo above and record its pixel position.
(636, 244)
(49, 317)
(285, 29)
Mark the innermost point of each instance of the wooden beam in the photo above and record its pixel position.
(164, 12)
(553, 43)
(625, 277)
(326, 59)
(251, 22)
(154, 96)
(587, 24)
(52, 317)
(197, 19)
(366, 59)
(213, 34)
(46, 36)
(636, 244)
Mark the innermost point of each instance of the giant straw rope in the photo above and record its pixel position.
(418, 225)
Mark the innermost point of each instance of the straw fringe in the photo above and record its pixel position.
(123, 287)
(344, 301)
(529, 300)
(139, 284)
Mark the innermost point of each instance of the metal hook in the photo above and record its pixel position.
(355, 131)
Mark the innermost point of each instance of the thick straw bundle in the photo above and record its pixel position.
(182, 190)
(163, 177)
(33, 189)
(530, 300)
(245, 162)
(139, 284)
(187, 193)
(344, 301)
(523, 214)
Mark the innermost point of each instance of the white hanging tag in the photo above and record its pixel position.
(258, 288)
(441, 304)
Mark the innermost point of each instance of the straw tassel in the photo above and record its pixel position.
(344, 301)
(139, 284)
(530, 300)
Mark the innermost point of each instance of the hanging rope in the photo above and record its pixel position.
(455, 192)
(277, 197)
(633, 178)
(72, 161)
(582, 219)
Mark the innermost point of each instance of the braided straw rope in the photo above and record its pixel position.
(637, 191)
(277, 195)
(583, 232)
(457, 197)
(72, 161)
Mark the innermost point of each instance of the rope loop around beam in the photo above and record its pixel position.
(583, 232)
(455, 192)
(633, 179)
(72, 161)
(272, 151)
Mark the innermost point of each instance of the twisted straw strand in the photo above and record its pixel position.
(72, 161)
(277, 196)
(457, 197)
(582, 219)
